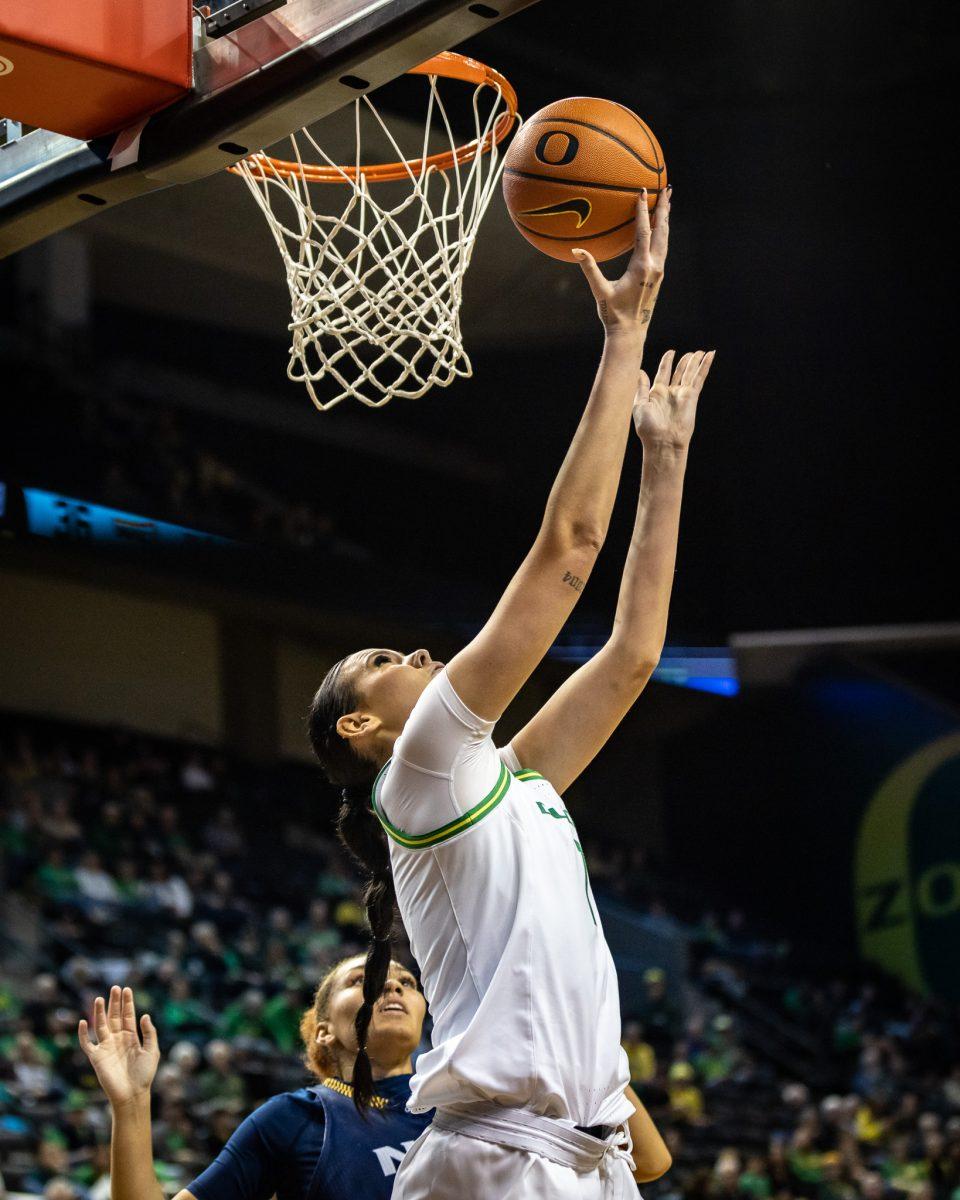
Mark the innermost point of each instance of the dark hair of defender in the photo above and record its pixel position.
(361, 833)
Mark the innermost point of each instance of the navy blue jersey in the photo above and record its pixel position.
(313, 1145)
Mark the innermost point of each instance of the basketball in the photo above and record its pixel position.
(573, 173)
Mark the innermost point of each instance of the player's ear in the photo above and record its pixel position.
(325, 1035)
(356, 724)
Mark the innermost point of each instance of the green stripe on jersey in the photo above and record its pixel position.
(423, 841)
(526, 776)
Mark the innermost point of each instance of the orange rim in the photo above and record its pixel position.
(448, 65)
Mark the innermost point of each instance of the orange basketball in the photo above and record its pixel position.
(573, 173)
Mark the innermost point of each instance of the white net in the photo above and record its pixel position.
(376, 290)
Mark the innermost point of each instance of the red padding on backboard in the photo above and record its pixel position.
(95, 67)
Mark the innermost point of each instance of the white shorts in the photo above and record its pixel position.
(442, 1165)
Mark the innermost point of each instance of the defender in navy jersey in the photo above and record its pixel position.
(311, 1144)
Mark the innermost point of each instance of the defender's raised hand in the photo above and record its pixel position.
(124, 1066)
(626, 304)
(665, 413)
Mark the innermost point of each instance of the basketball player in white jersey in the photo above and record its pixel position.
(475, 844)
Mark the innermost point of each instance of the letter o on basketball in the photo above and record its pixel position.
(557, 140)
(6, 66)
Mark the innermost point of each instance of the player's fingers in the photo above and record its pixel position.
(113, 1009)
(641, 245)
(128, 1015)
(661, 228)
(100, 1018)
(690, 370)
(679, 369)
(149, 1031)
(83, 1036)
(595, 277)
(704, 369)
(666, 366)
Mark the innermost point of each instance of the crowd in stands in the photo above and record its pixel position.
(214, 891)
(885, 1125)
(162, 868)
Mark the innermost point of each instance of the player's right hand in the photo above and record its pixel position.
(124, 1066)
(626, 304)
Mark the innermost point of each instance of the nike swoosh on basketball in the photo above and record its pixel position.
(579, 207)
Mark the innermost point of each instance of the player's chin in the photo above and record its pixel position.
(395, 1027)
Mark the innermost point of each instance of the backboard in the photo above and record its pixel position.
(261, 69)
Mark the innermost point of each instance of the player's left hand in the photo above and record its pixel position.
(664, 414)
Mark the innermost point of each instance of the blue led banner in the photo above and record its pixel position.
(703, 668)
(54, 516)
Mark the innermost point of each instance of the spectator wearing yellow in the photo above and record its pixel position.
(640, 1054)
(686, 1099)
(870, 1124)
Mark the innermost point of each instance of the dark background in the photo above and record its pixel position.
(807, 144)
(810, 147)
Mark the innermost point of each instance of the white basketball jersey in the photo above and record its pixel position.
(492, 885)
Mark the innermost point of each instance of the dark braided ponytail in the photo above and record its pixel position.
(360, 832)
(362, 835)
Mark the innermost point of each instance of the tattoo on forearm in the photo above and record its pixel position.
(574, 581)
(645, 315)
(602, 306)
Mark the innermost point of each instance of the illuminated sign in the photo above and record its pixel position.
(703, 668)
(53, 516)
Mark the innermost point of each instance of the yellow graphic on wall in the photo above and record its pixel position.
(894, 893)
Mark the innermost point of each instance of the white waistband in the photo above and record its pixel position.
(523, 1130)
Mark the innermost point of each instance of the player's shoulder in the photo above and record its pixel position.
(442, 715)
(281, 1119)
(305, 1097)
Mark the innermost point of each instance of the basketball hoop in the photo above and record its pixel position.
(376, 291)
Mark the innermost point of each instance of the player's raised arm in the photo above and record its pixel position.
(489, 672)
(125, 1067)
(578, 719)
